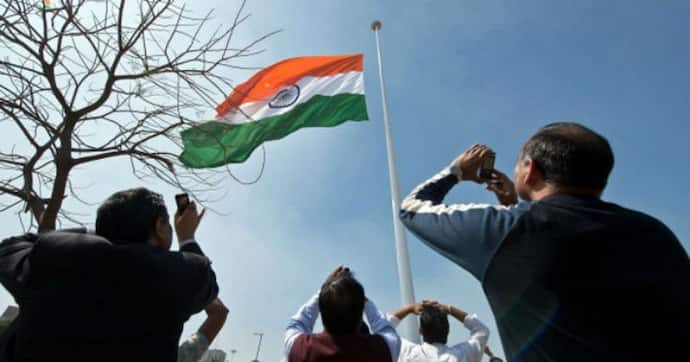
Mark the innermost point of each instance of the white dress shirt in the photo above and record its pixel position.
(303, 323)
(470, 350)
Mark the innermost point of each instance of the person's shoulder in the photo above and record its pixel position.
(165, 262)
(303, 344)
(638, 219)
(408, 346)
(28, 237)
(17, 244)
(70, 244)
(72, 237)
(376, 340)
(466, 351)
(591, 207)
(191, 253)
(376, 345)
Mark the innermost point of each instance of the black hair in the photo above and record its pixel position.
(341, 303)
(129, 216)
(434, 325)
(570, 154)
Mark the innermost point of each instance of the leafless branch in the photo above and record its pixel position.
(85, 81)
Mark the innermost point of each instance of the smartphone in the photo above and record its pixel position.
(486, 170)
(182, 201)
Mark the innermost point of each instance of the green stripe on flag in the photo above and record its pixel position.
(215, 144)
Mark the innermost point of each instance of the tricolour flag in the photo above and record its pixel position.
(314, 91)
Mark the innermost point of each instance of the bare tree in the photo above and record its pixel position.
(85, 80)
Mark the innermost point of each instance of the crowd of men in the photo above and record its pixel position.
(568, 276)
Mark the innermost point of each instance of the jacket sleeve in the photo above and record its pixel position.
(192, 247)
(467, 234)
(201, 285)
(14, 262)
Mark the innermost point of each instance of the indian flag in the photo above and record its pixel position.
(312, 91)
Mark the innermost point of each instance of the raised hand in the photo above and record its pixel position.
(187, 222)
(503, 187)
(469, 162)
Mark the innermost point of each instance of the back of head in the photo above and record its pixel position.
(434, 325)
(341, 303)
(129, 216)
(572, 155)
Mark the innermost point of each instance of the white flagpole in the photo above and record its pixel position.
(410, 325)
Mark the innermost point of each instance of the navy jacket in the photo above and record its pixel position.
(82, 298)
(568, 278)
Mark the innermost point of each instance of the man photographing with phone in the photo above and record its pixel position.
(119, 295)
(569, 277)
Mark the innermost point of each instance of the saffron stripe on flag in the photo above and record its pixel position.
(271, 79)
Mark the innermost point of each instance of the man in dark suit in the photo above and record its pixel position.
(119, 295)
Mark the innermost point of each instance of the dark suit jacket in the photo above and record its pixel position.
(83, 298)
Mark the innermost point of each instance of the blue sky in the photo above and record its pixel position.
(458, 73)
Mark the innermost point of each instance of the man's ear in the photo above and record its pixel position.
(532, 175)
(159, 229)
(159, 232)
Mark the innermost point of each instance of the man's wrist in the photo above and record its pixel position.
(185, 236)
(456, 171)
(183, 242)
(457, 313)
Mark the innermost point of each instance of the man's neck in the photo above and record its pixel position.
(156, 244)
(436, 344)
(551, 190)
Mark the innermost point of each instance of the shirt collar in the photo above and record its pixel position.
(436, 348)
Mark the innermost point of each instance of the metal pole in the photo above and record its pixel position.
(410, 326)
(258, 348)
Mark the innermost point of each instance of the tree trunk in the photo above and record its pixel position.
(63, 165)
(48, 220)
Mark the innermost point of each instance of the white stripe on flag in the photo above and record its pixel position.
(350, 82)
